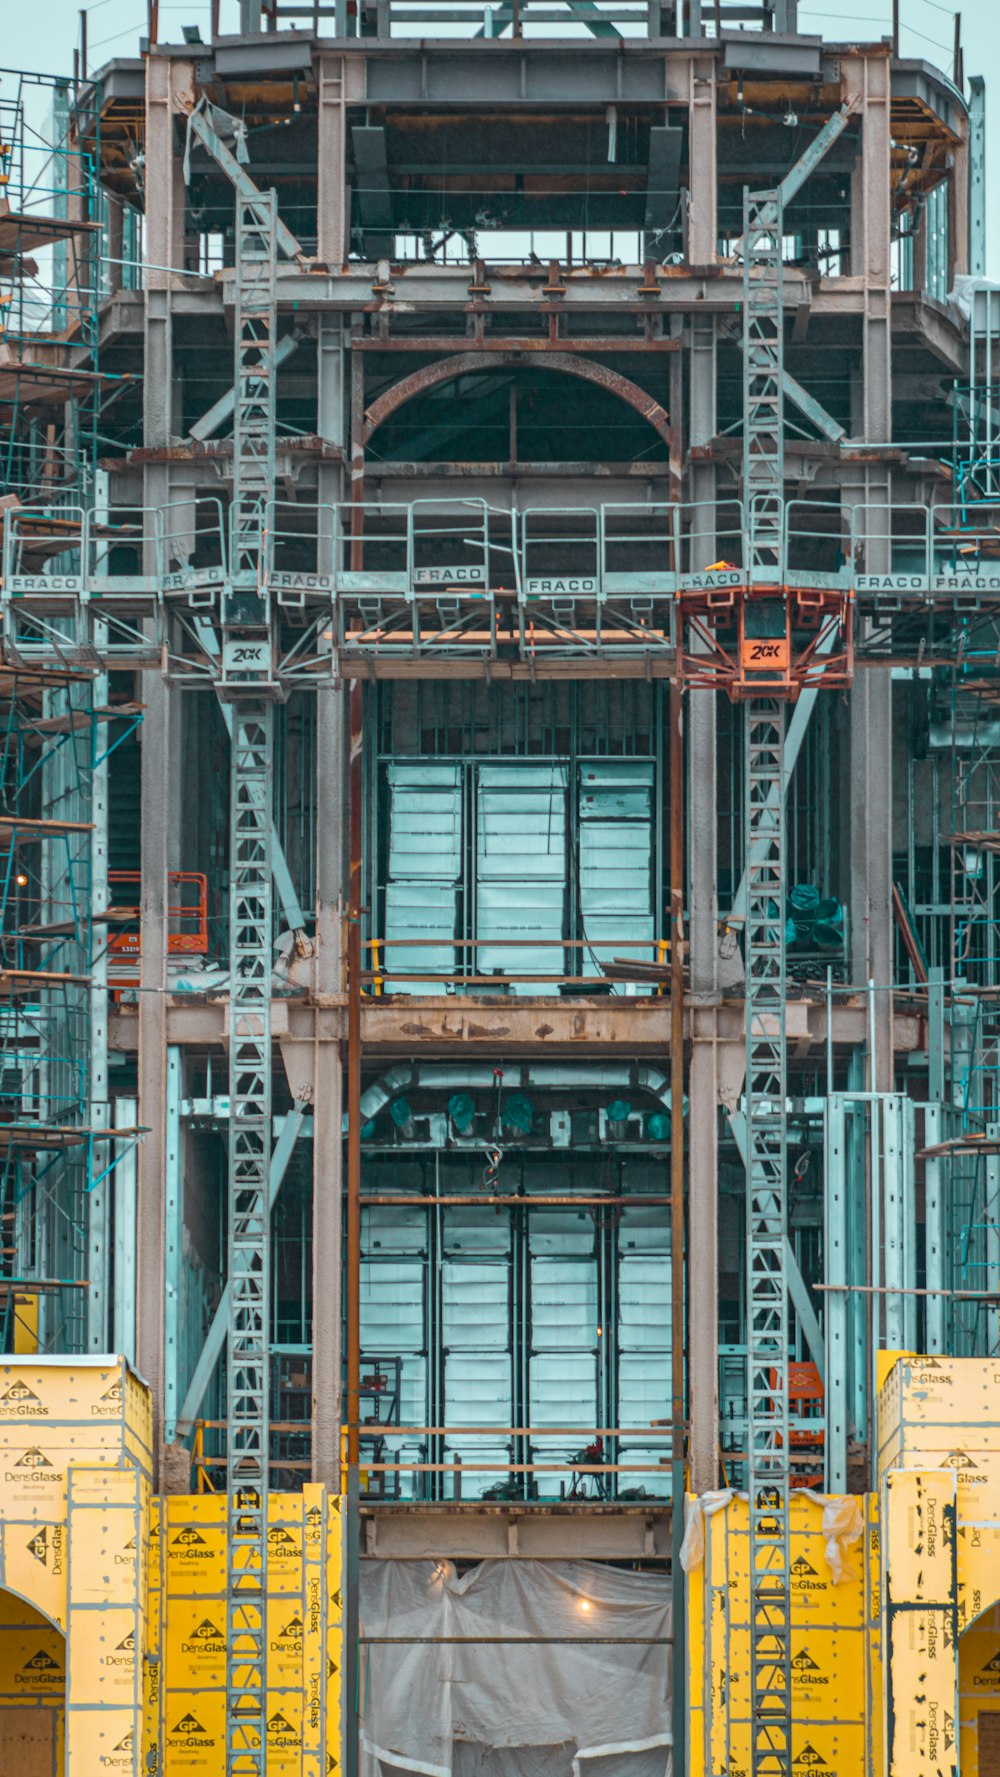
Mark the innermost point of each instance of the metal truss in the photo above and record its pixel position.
(763, 367)
(249, 1216)
(767, 1281)
(255, 413)
(247, 680)
(766, 1058)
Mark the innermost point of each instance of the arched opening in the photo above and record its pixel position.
(32, 1691)
(519, 407)
(979, 1695)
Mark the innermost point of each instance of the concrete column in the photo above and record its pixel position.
(866, 81)
(327, 1213)
(866, 91)
(703, 919)
(169, 87)
(333, 218)
(116, 244)
(702, 225)
(958, 206)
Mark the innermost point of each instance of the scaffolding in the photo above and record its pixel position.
(50, 286)
(49, 1136)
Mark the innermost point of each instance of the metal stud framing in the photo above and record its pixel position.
(250, 937)
(766, 1056)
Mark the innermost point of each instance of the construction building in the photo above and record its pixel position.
(500, 900)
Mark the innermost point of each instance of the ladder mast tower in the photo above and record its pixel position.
(247, 681)
(766, 1047)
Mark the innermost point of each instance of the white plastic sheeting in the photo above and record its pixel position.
(842, 1527)
(489, 1709)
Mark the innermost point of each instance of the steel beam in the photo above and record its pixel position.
(221, 411)
(246, 191)
(835, 1316)
(807, 163)
(123, 1181)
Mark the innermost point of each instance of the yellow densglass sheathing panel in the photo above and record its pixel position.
(152, 1665)
(57, 1415)
(831, 1686)
(333, 1662)
(921, 1623)
(106, 1578)
(939, 1412)
(697, 1654)
(978, 1567)
(32, 1668)
(875, 1749)
(313, 1628)
(193, 1605)
(304, 1635)
(978, 1684)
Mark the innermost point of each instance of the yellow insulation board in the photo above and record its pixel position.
(185, 1667)
(830, 1649)
(978, 1685)
(921, 1628)
(938, 1412)
(32, 1670)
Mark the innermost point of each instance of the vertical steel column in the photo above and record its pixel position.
(766, 1050)
(835, 1319)
(173, 1244)
(678, 1343)
(977, 176)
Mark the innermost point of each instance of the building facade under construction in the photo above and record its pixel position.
(499, 899)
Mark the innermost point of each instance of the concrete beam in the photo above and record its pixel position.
(436, 1028)
(480, 1530)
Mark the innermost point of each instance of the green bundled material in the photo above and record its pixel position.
(518, 1114)
(462, 1111)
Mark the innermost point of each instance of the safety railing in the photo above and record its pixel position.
(450, 1463)
(187, 913)
(193, 554)
(299, 552)
(421, 577)
(816, 546)
(546, 18)
(597, 579)
(709, 537)
(44, 554)
(123, 554)
(902, 554)
(452, 576)
(396, 964)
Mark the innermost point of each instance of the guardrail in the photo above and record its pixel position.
(447, 1463)
(641, 963)
(455, 575)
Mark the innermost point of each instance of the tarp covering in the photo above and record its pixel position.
(487, 1709)
(843, 1525)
